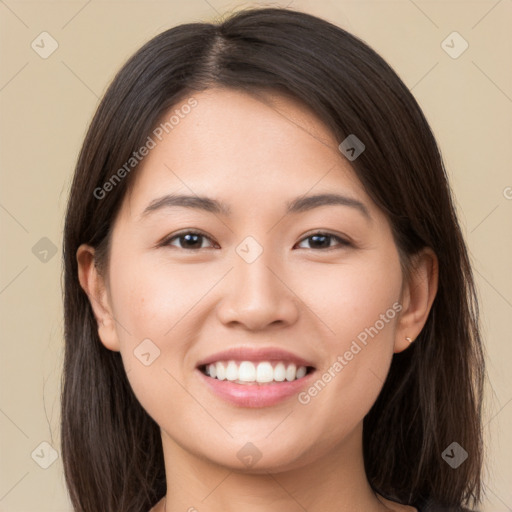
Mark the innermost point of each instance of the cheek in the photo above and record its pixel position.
(152, 299)
(159, 307)
(360, 308)
(153, 309)
(355, 297)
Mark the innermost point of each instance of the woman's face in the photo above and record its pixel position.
(256, 278)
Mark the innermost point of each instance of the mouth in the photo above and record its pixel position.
(251, 377)
(255, 372)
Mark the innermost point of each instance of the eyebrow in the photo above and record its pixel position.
(298, 205)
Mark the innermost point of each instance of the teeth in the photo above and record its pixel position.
(248, 372)
(218, 369)
(264, 372)
(232, 371)
(301, 371)
(279, 372)
(290, 372)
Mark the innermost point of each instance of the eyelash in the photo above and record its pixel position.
(342, 242)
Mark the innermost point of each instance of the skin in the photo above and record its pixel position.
(256, 153)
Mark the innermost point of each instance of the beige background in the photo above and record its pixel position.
(46, 105)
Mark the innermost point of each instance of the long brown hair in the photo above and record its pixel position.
(111, 448)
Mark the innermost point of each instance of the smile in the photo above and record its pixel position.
(249, 372)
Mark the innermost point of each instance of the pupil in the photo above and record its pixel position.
(188, 236)
(316, 237)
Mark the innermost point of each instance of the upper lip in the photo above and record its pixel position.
(254, 355)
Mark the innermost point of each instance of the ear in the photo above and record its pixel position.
(95, 287)
(418, 294)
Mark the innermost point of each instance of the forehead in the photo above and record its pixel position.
(235, 144)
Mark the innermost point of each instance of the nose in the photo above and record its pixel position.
(257, 295)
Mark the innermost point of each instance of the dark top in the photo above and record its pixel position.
(431, 506)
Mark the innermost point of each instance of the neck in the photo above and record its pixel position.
(332, 482)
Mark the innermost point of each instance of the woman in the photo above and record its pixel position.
(268, 299)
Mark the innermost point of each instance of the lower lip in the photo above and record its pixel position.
(255, 395)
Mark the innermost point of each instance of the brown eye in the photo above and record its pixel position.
(190, 240)
(193, 240)
(323, 241)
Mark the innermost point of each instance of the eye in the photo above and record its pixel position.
(322, 240)
(192, 240)
(187, 239)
